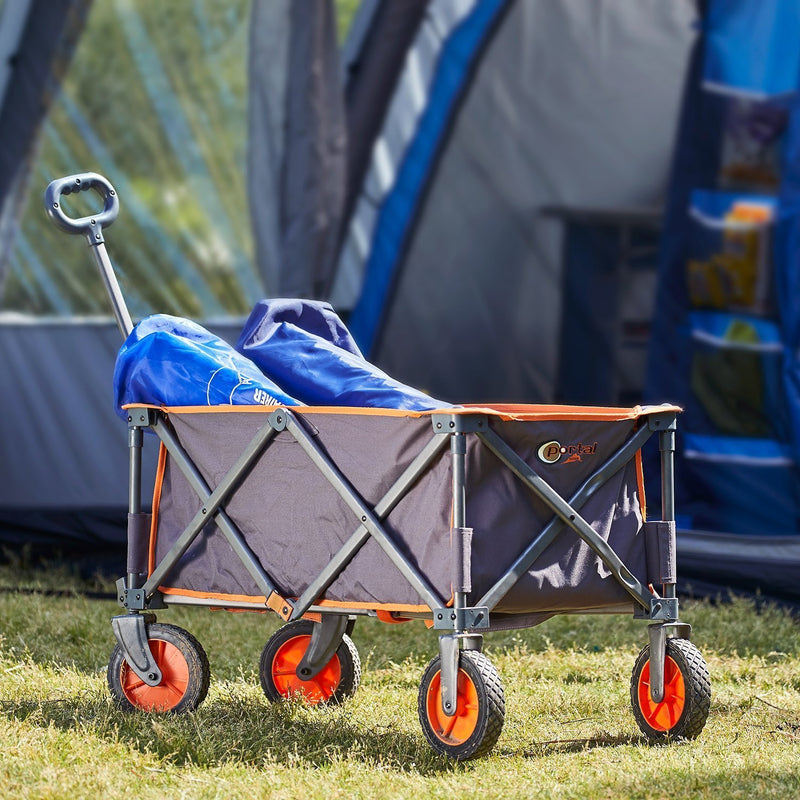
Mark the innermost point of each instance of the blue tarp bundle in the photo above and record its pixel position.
(303, 346)
(290, 352)
(168, 361)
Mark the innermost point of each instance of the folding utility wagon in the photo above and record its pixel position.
(469, 518)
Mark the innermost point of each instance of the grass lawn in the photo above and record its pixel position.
(569, 731)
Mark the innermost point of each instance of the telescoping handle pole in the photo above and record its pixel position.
(92, 228)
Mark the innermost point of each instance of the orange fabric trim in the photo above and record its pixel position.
(242, 598)
(389, 618)
(259, 409)
(160, 470)
(239, 598)
(400, 607)
(640, 484)
(504, 411)
(240, 610)
(566, 413)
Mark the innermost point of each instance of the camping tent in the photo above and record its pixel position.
(499, 194)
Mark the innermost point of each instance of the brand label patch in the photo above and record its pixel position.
(553, 452)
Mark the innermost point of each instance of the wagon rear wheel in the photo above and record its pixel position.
(285, 649)
(480, 708)
(687, 693)
(184, 668)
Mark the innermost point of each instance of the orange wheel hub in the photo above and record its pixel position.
(319, 689)
(168, 693)
(663, 716)
(457, 729)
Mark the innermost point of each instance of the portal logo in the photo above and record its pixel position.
(552, 452)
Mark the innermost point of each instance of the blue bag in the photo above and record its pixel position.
(305, 348)
(168, 361)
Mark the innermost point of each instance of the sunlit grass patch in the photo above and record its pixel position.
(569, 731)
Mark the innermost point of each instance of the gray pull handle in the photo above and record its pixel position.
(91, 226)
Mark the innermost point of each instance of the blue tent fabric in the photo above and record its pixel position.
(753, 47)
(397, 214)
(787, 247)
(727, 326)
(305, 348)
(169, 361)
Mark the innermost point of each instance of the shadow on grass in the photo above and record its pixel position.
(240, 731)
(540, 749)
(248, 731)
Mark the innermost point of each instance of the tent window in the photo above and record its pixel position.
(155, 98)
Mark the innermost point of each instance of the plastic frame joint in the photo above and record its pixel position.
(459, 423)
(461, 619)
(666, 421)
(664, 609)
(140, 417)
(133, 599)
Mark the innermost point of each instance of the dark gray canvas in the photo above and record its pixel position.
(294, 521)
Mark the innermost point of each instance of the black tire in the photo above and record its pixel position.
(476, 726)
(184, 667)
(336, 681)
(683, 712)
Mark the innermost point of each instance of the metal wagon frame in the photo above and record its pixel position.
(668, 658)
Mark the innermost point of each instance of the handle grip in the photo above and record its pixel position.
(91, 226)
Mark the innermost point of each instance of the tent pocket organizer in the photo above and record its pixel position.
(471, 519)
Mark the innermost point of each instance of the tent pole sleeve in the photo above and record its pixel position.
(458, 450)
(666, 441)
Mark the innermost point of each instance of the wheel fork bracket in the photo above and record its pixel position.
(131, 634)
(325, 640)
(658, 653)
(450, 645)
(657, 634)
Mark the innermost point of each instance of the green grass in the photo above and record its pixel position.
(569, 731)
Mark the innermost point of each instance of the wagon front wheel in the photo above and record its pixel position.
(285, 649)
(184, 669)
(687, 693)
(480, 708)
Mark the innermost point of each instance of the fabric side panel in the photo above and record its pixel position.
(506, 517)
(292, 518)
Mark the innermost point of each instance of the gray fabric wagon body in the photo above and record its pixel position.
(294, 521)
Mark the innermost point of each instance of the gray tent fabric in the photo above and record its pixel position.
(709, 560)
(297, 144)
(268, 64)
(541, 123)
(372, 65)
(41, 55)
(63, 450)
(405, 103)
